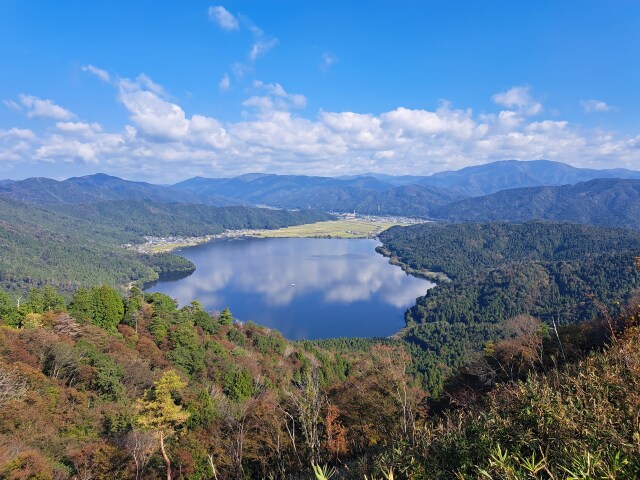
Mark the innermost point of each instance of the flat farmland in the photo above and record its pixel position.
(343, 228)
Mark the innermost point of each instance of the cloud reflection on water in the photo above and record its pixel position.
(269, 275)
(262, 267)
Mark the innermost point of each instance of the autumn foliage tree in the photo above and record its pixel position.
(159, 413)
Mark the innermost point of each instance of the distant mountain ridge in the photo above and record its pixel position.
(453, 196)
(97, 188)
(493, 177)
(610, 202)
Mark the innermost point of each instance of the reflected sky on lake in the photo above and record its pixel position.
(304, 287)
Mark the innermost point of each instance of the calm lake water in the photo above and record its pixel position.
(303, 287)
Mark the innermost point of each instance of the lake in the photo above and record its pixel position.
(304, 287)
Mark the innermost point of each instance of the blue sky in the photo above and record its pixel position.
(164, 90)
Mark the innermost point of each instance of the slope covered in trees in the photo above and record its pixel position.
(79, 245)
(605, 202)
(553, 271)
(132, 387)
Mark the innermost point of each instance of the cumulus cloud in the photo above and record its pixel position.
(165, 121)
(152, 114)
(519, 98)
(98, 72)
(160, 137)
(38, 108)
(223, 18)
(591, 106)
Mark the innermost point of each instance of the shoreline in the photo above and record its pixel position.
(345, 228)
(157, 245)
(421, 273)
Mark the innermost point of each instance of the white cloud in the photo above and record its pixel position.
(407, 122)
(150, 85)
(98, 72)
(17, 133)
(240, 70)
(166, 121)
(38, 108)
(223, 18)
(161, 138)
(12, 105)
(79, 128)
(519, 98)
(208, 131)
(260, 47)
(277, 98)
(153, 115)
(327, 60)
(225, 83)
(591, 106)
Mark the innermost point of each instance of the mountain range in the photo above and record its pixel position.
(508, 190)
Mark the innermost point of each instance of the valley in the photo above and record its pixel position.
(311, 240)
(255, 307)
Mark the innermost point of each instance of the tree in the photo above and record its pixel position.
(161, 302)
(82, 306)
(9, 314)
(335, 431)
(159, 413)
(521, 350)
(43, 299)
(225, 317)
(133, 305)
(140, 444)
(108, 307)
(187, 352)
(308, 402)
(12, 386)
(101, 306)
(238, 384)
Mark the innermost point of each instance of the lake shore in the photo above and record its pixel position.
(422, 273)
(345, 227)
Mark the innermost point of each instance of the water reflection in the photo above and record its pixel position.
(306, 288)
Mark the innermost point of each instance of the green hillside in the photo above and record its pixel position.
(553, 271)
(77, 245)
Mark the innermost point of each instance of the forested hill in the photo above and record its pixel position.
(79, 245)
(498, 271)
(606, 202)
(132, 387)
(99, 187)
(161, 219)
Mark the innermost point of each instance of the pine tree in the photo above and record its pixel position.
(159, 413)
(225, 317)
